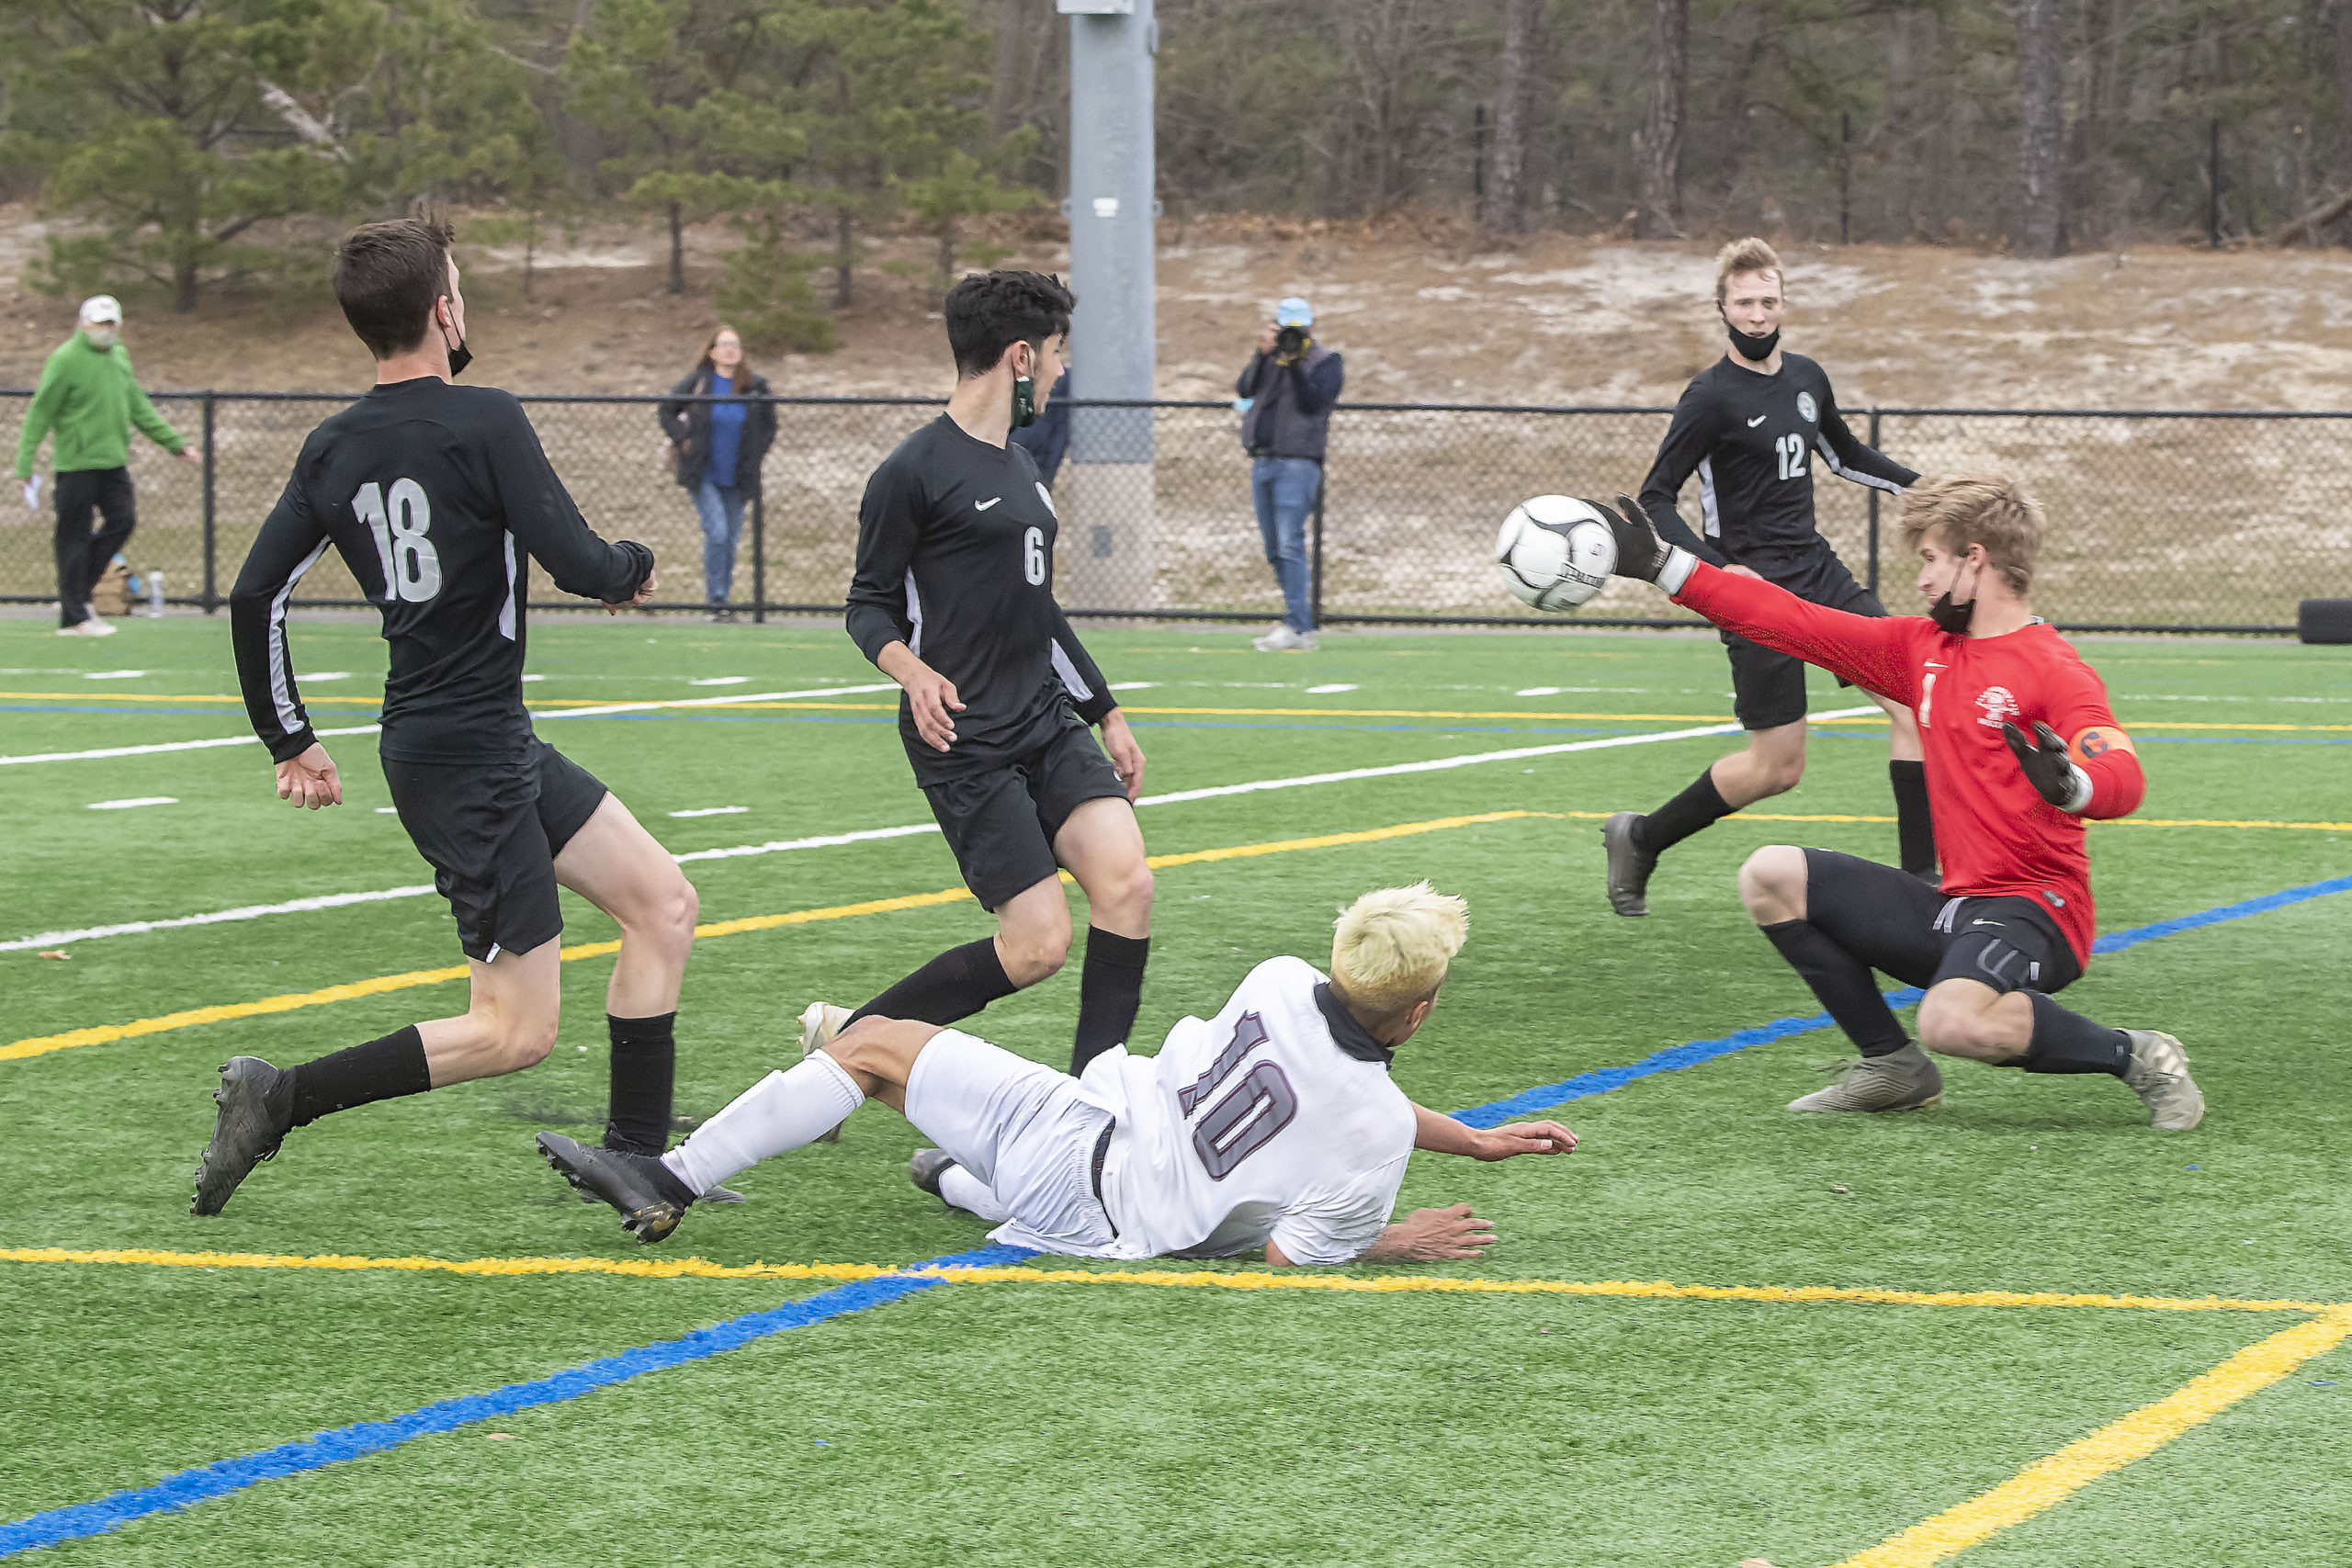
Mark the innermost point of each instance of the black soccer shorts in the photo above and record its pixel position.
(1903, 927)
(1001, 822)
(491, 831)
(1768, 687)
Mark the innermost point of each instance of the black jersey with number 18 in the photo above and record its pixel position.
(956, 559)
(438, 497)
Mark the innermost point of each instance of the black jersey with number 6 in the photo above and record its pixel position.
(956, 559)
(1752, 440)
(438, 497)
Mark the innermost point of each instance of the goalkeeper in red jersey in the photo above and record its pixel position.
(2021, 746)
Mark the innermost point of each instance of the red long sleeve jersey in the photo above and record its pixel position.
(1994, 833)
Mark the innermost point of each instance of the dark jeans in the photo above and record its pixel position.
(82, 555)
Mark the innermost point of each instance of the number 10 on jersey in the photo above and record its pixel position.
(412, 569)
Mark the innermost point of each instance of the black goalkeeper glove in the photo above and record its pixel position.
(1640, 552)
(2048, 767)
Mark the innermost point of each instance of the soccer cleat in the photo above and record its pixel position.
(2159, 1075)
(650, 1200)
(1903, 1080)
(257, 1103)
(819, 1024)
(926, 1168)
(1629, 865)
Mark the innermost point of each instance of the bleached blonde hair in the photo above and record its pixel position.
(1750, 255)
(1391, 947)
(1991, 510)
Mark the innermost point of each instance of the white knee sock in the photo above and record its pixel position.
(969, 1193)
(780, 1113)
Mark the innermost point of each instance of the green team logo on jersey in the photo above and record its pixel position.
(1806, 408)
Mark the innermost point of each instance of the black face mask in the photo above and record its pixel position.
(1755, 350)
(1025, 403)
(459, 357)
(1952, 619)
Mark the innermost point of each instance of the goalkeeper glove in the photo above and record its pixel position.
(2048, 767)
(33, 494)
(1640, 552)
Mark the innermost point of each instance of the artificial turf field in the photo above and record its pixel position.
(1049, 1411)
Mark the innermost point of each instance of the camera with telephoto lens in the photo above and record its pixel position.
(1290, 343)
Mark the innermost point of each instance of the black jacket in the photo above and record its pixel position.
(688, 424)
(1291, 412)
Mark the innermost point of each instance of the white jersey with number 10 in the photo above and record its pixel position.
(1253, 1126)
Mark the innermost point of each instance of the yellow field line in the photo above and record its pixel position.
(2052, 1480)
(2104, 822)
(1190, 1279)
(2136, 722)
(99, 1034)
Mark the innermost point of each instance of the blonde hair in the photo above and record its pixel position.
(1390, 948)
(1750, 255)
(1962, 509)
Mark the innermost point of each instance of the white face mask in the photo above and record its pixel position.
(100, 336)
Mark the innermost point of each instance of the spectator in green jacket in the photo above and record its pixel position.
(90, 397)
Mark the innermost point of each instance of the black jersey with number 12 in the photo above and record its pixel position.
(956, 559)
(438, 497)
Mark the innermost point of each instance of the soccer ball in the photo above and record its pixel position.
(1555, 552)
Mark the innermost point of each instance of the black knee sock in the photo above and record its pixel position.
(1110, 992)
(957, 984)
(1915, 831)
(2066, 1041)
(381, 1069)
(1843, 984)
(645, 1060)
(1682, 816)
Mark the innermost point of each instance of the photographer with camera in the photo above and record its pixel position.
(1285, 398)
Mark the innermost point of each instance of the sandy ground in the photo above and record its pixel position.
(1423, 311)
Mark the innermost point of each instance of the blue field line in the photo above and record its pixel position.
(1601, 1081)
(191, 1486)
(188, 1487)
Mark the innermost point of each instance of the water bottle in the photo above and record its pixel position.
(155, 594)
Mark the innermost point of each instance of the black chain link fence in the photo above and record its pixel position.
(2159, 521)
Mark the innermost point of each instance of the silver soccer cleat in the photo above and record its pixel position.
(1905, 1080)
(2159, 1075)
(819, 1023)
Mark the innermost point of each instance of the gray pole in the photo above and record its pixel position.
(1107, 542)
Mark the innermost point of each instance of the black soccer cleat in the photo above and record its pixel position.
(1629, 865)
(650, 1200)
(257, 1103)
(927, 1166)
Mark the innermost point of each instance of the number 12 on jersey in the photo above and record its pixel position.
(1790, 450)
(412, 568)
(1248, 1119)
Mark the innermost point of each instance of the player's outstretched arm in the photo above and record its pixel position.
(1436, 1132)
(1851, 458)
(2099, 775)
(1689, 438)
(290, 540)
(541, 515)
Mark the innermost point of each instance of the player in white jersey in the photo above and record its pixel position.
(1272, 1125)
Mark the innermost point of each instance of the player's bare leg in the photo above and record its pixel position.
(1893, 1073)
(509, 1024)
(2029, 1030)
(1771, 763)
(617, 865)
(1102, 846)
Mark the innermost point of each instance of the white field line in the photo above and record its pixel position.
(869, 835)
(538, 716)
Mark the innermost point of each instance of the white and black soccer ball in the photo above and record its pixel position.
(1555, 552)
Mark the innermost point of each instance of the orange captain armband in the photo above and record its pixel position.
(2097, 741)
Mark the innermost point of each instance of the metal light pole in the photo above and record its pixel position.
(1106, 543)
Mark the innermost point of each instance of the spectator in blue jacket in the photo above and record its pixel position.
(1285, 398)
(717, 447)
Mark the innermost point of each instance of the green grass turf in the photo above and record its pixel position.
(1040, 1423)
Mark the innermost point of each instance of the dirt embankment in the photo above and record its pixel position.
(1424, 313)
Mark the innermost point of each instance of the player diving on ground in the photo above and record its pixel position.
(438, 496)
(2021, 748)
(1273, 1126)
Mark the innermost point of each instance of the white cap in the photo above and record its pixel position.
(102, 307)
